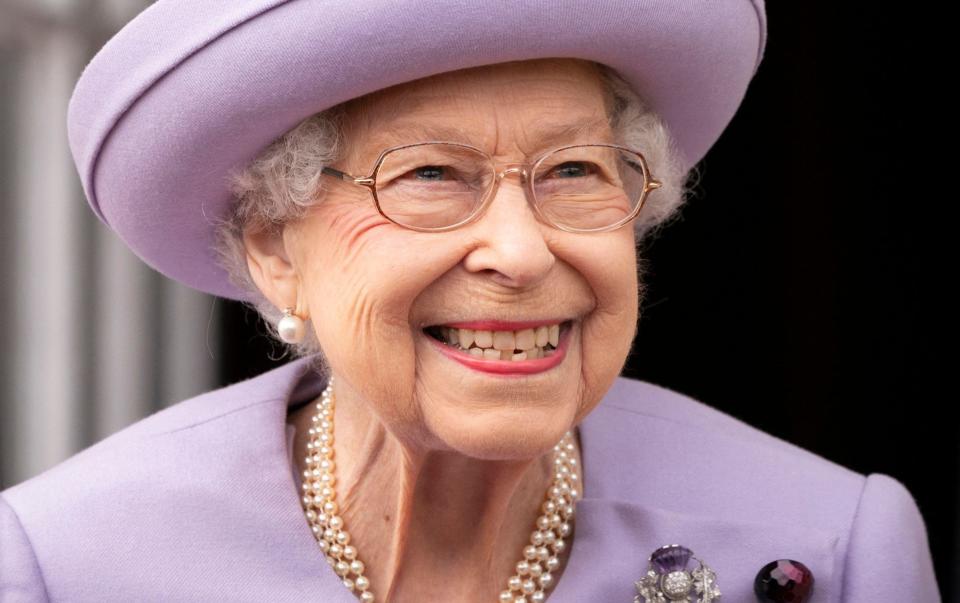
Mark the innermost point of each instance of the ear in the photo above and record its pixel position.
(270, 267)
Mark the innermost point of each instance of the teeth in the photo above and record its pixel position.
(483, 339)
(525, 344)
(504, 340)
(526, 339)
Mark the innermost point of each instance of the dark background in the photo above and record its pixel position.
(799, 290)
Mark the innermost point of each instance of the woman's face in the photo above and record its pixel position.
(370, 287)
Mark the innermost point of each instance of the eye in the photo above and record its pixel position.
(430, 173)
(572, 169)
(633, 165)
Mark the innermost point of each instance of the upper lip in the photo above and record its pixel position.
(500, 325)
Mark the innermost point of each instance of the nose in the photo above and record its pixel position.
(510, 240)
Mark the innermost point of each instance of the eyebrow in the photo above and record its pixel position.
(545, 134)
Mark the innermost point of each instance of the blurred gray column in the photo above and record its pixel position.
(95, 339)
(44, 351)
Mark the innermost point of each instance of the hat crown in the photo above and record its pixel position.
(191, 89)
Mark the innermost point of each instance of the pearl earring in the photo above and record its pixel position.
(291, 327)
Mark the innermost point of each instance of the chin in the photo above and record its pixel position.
(495, 415)
(502, 432)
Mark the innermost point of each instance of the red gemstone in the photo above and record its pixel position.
(783, 581)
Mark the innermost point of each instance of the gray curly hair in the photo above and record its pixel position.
(284, 181)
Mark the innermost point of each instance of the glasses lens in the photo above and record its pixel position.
(432, 185)
(589, 187)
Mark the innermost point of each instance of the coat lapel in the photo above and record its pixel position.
(640, 470)
(613, 540)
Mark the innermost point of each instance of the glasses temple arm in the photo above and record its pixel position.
(336, 173)
(651, 184)
(329, 171)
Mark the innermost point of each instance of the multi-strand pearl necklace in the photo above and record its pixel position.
(534, 575)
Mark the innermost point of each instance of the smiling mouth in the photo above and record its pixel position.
(523, 344)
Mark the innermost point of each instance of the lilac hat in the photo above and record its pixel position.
(190, 89)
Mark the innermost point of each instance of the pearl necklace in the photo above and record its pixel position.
(534, 571)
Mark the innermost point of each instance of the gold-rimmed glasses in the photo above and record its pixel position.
(436, 186)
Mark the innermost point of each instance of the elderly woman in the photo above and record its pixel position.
(438, 209)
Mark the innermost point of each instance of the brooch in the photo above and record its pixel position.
(783, 581)
(668, 578)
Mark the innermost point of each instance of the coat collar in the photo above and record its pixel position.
(619, 521)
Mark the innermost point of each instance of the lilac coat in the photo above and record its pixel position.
(199, 502)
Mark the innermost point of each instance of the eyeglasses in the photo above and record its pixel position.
(438, 186)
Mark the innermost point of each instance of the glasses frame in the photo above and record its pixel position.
(524, 169)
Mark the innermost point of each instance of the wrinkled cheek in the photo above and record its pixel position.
(363, 308)
(366, 340)
(607, 338)
(350, 229)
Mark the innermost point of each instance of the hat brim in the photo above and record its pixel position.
(189, 90)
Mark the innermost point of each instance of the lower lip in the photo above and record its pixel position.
(507, 367)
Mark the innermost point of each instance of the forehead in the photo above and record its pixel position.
(532, 104)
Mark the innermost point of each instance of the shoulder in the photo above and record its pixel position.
(643, 418)
(706, 460)
(206, 470)
(631, 397)
(159, 447)
(681, 456)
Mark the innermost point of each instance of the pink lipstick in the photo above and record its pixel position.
(508, 367)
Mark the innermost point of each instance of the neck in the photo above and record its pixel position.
(428, 523)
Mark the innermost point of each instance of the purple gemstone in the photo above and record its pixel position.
(670, 558)
(783, 581)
